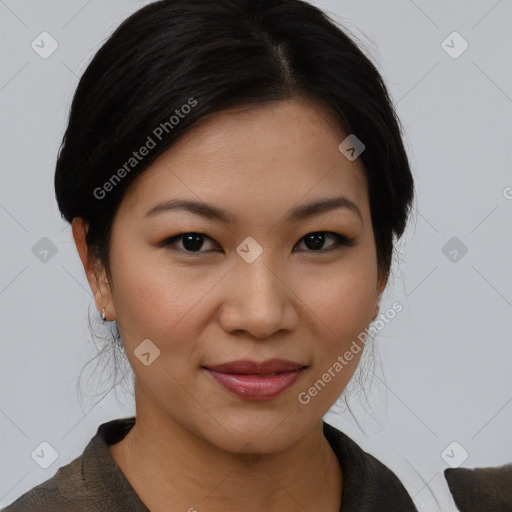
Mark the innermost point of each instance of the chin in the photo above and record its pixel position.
(257, 431)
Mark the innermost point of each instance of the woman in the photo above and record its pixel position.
(234, 175)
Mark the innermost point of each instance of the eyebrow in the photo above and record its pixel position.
(215, 213)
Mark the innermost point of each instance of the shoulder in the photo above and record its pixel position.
(368, 484)
(91, 482)
(65, 489)
(481, 489)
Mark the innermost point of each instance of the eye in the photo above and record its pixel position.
(316, 240)
(193, 242)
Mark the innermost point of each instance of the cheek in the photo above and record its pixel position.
(349, 307)
(341, 302)
(340, 307)
(160, 303)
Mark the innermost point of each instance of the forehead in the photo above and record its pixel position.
(279, 153)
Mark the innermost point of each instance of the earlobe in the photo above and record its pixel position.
(380, 290)
(95, 275)
(376, 312)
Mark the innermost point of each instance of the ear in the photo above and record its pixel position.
(95, 272)
(381, 286)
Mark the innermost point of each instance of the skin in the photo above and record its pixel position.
(208, 307)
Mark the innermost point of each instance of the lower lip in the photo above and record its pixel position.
(256, 387)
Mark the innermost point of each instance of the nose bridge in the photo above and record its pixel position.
(256, 275)
(258, 301)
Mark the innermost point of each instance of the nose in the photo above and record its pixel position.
(259, 300)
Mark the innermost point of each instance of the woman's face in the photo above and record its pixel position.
(254, 288)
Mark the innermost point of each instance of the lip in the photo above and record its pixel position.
(250, 380)
(248, 367)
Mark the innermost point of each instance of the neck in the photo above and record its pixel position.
(167, 463)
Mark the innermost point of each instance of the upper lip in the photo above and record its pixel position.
(247, 367)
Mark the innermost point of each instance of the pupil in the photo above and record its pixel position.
(315, 240)
(192, 242)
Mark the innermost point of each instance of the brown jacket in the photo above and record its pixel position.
(481, 489)
(94, 483)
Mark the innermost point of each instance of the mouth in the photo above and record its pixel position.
(252, 381)
(247, 367)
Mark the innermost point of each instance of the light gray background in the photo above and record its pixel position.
(445, 371)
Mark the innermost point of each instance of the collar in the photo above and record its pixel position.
(367, 483)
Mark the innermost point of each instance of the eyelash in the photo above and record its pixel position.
(341, 241)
